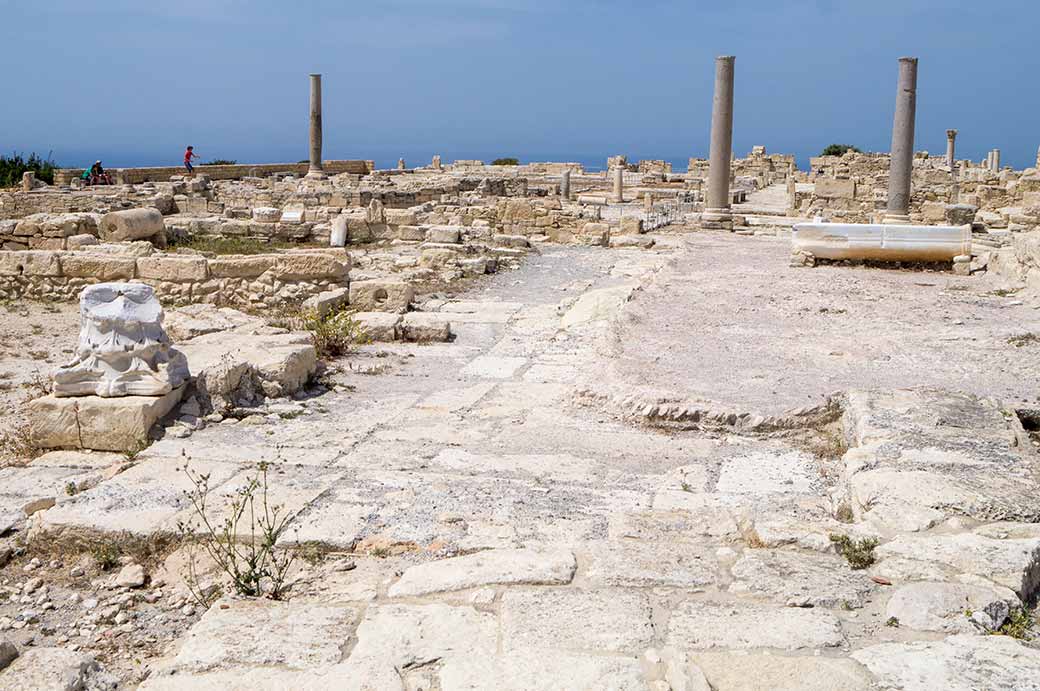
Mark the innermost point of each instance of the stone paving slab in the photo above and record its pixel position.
(571, 619)
(522, 670)
(739, 625)
(494, 567)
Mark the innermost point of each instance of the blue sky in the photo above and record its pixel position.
(134, 81)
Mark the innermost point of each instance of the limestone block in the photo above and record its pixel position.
(328, 301)
(631, 225)
(241, 267)
(267, 214)
(474, 267)
(951, 607)
(190, 321)
(511, 241)
(959, 214)
(411, 233)
(933, 212)
(401, 217)
(446, 234)
(49, 668)
(103, 267)
(493, 567)
(311, 265)
(132, 224)
(425, 327)
(30, 263)
(36, 243)
(830, 188)
(640, 241)
(743, 671)
(123, 349)
(92, 422)
(338, 232)
(881, 241)
(381, 296)
(75, 242)
(438, 257)
(175, 269)
(294, 217)
(379, 326)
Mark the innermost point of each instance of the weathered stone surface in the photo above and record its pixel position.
(176, 269)
(7, 653)
(425, 327)
(98, 266)
(310, 265)
(1014, 563)
(56, 669)
(190, 321)
(522, 670)
(132, 224)
(123, 349)
(596, 305)
(328, 301)
(379, 326)
(493, 567)
(800, 579)
(958, 663)
(381, 296)
(294, 634)
(761, 672)
(635, 563)
(131, 576)
(93, 422)
(740, 625)
(240, 267)
(951, 607)
(31, 263)
(573, 619)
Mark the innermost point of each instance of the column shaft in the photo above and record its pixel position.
(315, 170)
(717, 205)
(902, 163)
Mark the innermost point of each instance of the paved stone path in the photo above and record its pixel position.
(507, 537)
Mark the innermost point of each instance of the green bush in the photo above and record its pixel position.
(506, 162)
(839, 150)
(12, 167)
(221, 162)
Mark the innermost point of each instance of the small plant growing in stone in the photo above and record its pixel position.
(893, 622)
(1020, 624)
(18, 446)
(243, 543)
(843, 513)
(858, 552)
(335, 333)
(105, 555)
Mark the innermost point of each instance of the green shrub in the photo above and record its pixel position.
(839, 150)
(221, 162)
(859, 553)
(12, 167)
(506, 162)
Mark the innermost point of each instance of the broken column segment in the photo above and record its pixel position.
(717, 212)
(902, 162)
(951, 137)
(619, 184)
(565, 185)
(315, 169)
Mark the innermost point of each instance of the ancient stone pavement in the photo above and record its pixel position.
(506, 536)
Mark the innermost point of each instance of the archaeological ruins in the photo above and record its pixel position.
(456, 425)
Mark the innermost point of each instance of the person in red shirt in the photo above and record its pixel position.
(189, 154)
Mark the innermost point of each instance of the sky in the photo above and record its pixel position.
(133, 82)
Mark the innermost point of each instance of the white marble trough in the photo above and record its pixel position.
(881, 242)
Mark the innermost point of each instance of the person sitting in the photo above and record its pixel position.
(98, 176)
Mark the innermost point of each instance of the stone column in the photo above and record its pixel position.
(436, 162)
(400, 164)
(996, 160)
(717, 212)
(648, 201)
(619, 184)
(315, 170)
(902, 164)
(951, 136)
(28, 181)
(565, 185)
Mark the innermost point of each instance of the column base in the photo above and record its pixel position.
(895, 220)
(316, 175)
(717, 219)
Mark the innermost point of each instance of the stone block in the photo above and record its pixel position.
(241, 267)
(401, 217)
(381, 296)
(630, 225)
(379, 326)
(92, 422)
(267, 214)
(30, 263)
(328, 301)
(131, 224)
(103, 267)
(411, 233)
(518, 241)
(830, 188)
(46, 243)
(311, 265)
(75, 242)
(175, 269)
(425, 327)
(445, 234)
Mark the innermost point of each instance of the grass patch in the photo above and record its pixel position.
(858, 552)
(843, 513)
(18, 446)
(223, 245)
(1026, 339)
(1020, 624)
(106, 551)
(335, 333)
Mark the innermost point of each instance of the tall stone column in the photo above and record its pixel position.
(996, 160)
(619, 184)
(400, 164)
(902, 164)
(315, 171)
(565, 185)
(951, 136)
(717, 213)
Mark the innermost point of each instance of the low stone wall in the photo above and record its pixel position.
(20, 204)
(262, 280)
(132, 176)
(48, 231)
